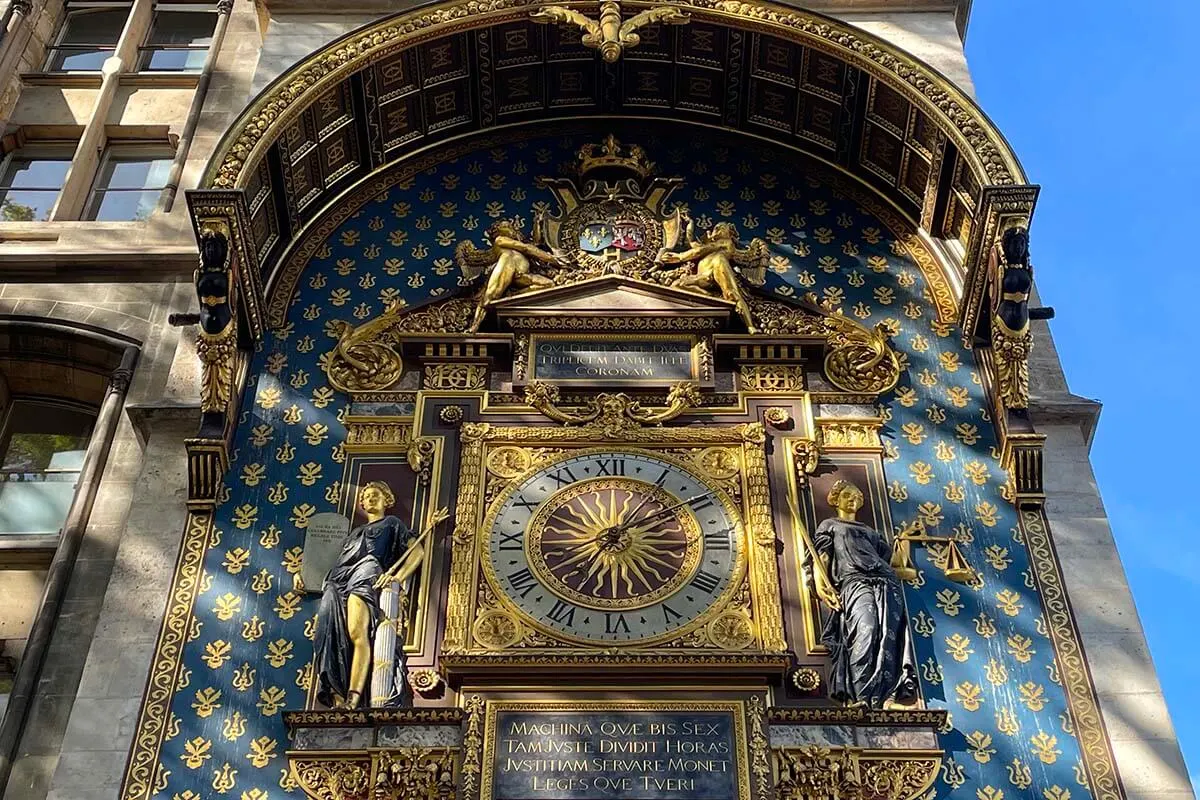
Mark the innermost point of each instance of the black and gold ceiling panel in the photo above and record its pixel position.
(518, 71)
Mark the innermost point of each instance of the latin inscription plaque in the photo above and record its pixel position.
(611, 751)
(665, 360)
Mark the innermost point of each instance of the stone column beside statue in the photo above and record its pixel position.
(867, 630)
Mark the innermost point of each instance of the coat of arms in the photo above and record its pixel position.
(611, 221)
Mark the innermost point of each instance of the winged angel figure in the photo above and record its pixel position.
(610, 36)
(507, 264)
(718, 265)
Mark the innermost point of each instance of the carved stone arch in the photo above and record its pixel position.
(330, 123)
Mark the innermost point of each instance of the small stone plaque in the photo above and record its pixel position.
(616, 754)
(612, 361)
(323, 539)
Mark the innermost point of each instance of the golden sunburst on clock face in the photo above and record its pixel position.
(614, 546)
(614, 543)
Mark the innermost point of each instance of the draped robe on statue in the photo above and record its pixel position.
(369, 549)
(868, 637)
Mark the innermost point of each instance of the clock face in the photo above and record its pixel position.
(614, 546)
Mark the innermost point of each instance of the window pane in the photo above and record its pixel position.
(38, 432)
(135, 173)
(94, 26)
(123, 204)
(36, 173)
(36, 506)
(42, 454)
(176, 60)
(26, 205)
(182, 28)
(77, 60)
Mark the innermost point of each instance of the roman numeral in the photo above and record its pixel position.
(702, 503)
(562, 613)
(512, 541)
(522, 581)
(528, 505)
(661, 479)
(670, 614)
(610, 466)
(618, 625)
(714, 540)
(561, 481)
(706, 581)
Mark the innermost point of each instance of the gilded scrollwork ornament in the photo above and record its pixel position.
(333, 778)
(806, 680)
(366, 358)
(419, 456)
(859, 359)
(363, 360)
(609, 34)
(415, 773)
(612, 412)
(806, 454)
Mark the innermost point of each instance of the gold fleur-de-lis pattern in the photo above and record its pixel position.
(982, 647)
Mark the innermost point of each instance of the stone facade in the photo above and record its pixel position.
(127, 277)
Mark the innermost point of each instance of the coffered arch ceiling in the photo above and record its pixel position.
(395, 88)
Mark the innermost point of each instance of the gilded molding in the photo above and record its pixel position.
(849, 434)
(362, 717)
(814, 772)
(472, 762)
(760, 748)
(851, 715)
(141, 774)
(1084, 705)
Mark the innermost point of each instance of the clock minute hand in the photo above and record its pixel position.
(667, 510)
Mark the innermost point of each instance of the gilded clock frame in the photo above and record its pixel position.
(735, 510)
(469, 539)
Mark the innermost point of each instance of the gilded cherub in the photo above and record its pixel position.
(718, 263)
(507, 263)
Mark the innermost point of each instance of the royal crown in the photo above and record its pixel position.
(610, 158)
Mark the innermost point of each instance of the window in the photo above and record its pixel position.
(29, 186)
(128, 187)
(41, 453)
(178, 40)
(88, 36)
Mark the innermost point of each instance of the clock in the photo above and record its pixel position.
(619, 547)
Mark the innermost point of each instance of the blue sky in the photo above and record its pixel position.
(1101, 101)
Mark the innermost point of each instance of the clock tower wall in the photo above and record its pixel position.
(638, 462)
